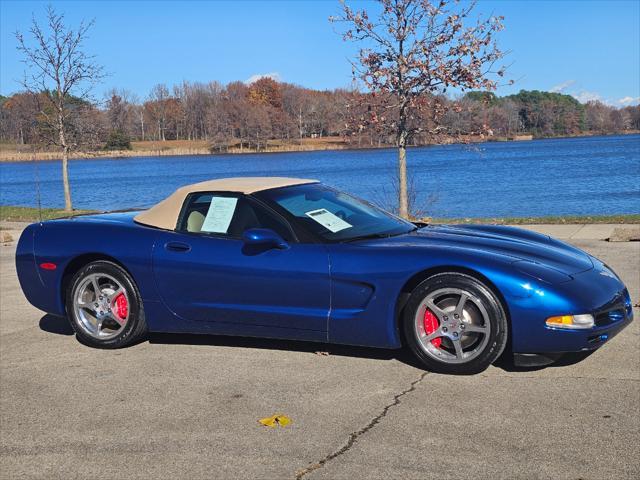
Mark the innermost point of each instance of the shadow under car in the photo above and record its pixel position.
(60, 326)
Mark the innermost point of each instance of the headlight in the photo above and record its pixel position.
(574, 322)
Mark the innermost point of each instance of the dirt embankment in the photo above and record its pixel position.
(26, 153)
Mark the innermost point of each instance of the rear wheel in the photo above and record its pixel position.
(455, 324)
(104, 306)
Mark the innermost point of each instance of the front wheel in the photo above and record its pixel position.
(455, 324)
(104, 306)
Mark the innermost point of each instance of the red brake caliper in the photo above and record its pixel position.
(431, 324)
(122, 307)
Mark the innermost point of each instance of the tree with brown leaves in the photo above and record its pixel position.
(413, 52)
(63, 74)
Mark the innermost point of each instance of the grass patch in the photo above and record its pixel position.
(28, 214)
(553, 220)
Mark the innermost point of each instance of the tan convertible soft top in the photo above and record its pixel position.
(165, 214)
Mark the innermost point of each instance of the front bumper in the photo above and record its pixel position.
(562, 341)
(596, 292)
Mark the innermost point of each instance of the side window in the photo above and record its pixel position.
(228, 215)
(208, 213)
(267, 219)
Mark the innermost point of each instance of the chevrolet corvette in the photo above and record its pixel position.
(295, 259)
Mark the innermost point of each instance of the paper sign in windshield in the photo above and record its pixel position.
(219, 215)
(328, 220)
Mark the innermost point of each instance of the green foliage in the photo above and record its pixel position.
(10, 213)
(537, 97)
(118, 140)
(542, 114)
(551, 220)
(548, 113)
(488, 98)
(70, 101)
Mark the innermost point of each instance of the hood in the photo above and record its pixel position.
(507, 241)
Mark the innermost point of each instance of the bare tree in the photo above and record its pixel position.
(59, 70)
(138, 112)
(119, 110)
(598, 117)
(157, 106)
(414, 50)
(20, 112)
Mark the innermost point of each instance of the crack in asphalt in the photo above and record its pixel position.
(353, 438)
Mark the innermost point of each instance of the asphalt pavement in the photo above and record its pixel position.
(181, 406)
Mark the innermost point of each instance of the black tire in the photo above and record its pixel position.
(135, 328)
(489, 346)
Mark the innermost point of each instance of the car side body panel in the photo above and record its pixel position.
(204, 278)
(348, 293)
(61, 242)
(384, 268)
(117, 237)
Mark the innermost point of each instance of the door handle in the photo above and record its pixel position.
(177, 247)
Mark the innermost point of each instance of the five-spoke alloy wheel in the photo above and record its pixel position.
(455, 324)
(104, 307)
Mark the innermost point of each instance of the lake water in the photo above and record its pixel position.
(577, 176)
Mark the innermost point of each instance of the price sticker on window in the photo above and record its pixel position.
(220, 214)
(328, 220)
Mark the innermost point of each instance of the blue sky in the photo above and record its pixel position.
(590, 49)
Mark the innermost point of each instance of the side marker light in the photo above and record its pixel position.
(573, 322)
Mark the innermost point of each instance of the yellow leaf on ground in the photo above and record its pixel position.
(283, 420)
(269, 421)
(275, 420)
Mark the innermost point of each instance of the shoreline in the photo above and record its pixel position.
(198, 148)
(9, 213)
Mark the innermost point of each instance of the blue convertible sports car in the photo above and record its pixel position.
(295, 259)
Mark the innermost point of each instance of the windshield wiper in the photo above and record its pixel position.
(372, 236)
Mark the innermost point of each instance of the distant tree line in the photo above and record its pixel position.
(247, 116)
(546, 114)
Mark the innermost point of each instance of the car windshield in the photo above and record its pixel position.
(335, 216)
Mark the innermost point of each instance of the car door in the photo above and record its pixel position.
(204, 272)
